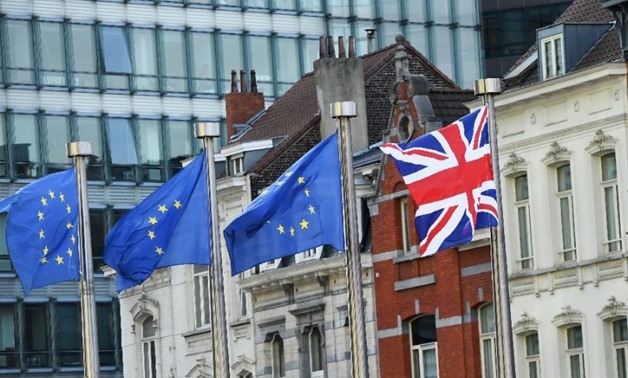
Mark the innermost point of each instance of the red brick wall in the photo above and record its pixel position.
(241, 106)
(458, 345)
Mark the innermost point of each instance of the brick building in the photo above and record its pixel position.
(427, 308)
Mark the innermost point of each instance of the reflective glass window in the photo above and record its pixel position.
(287, 64)
(364, 8)
(311, 5)
(4, 170)
(106, 333)
(256, 3)
(52, 54)
(69, 344)
(338, 8)
(339, 28)
(203, 62)
(5, 261)
(9, 353)
(418, 36)
(388, 31)
(180, 143)
(309, 49)
(442, 50)
(151, 157)
(174, 61)
(37, 339)
(121, 144)
(284, 4)
(415, 11)
(232, 3)
(466, 12)
(97, 223)
(261, 61)
(85, 68)
(469, 52)
(361, 42)
(439, 11)
(20, 63)
(390, 9)
(89, 130)
(26, 146)
(57, 136)
(114, 50)
(145, 59)
(232, 57)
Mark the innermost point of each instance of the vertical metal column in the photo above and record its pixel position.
(79, 151)
(488, 88)
(208, 131)
(359, 352)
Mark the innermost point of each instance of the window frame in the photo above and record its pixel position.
(577, 352)
(487, 337)
(611, 184)
(566, 196)
(619, 347)
(557, 67)
(278, 365)
(533, 361)
(202, 300)
(149, 351)
(522, 206)
(417, 350)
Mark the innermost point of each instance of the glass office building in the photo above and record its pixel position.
(132, 76)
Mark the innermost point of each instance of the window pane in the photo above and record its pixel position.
(532, 344)
(424, 330)
(175, 61)
(622, 369)
(620, 330)
(97, 223)
(151, 149)
(521, 188)
(284, 4)
(469, 50)
(487, 319)
(106, 341)
(364, 9)
(26, 147)
(417, 35)
(84, 56)
(261, 61)
(574, 364)
(415, 11)
(257, 3)
(180, 142)
(339, 28)
(466, 12)
(115, 50)
(52, 53)
(389, 30)
(574, 337)
(430, 363)
(121, 149)
(69, 334)
(3, 147)
(89, 130)
(315, 350)
(9, 357)
(309, 49)
(20, 52)
(338, 8)
(559, 56)
(611, 213)
(389, 10)
(148, 328)
(439, 12)
(565, 220)
(522, 215)
(145, 59)
(37, 339)
(5, 261)
(287, 66)
(232, 58)
(442, 49)
(311, 5)
(609, 167)
(58, 135)
(489, 369)
(203, 62)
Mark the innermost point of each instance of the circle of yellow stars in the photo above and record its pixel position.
(153, 221)
(46, 201)
(303, 224)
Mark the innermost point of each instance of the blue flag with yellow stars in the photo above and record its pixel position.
(169, 227)
(42, 230)
(300, 211)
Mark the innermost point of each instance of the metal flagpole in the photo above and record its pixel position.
(488, 88)
(79, 151)
(359, 356)
(208, 131)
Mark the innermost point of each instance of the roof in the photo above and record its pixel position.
(607, 49)
(295, 116)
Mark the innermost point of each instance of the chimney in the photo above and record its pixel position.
(243, 105)
(370, 39)
(341, 78)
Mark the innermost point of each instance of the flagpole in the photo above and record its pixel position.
(208, 131)
(79, 151)
(343, 111)
(488, 88)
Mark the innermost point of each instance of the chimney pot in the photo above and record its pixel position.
(234, 82)
(253, 82)
(341, 48)
(242, 81)
(351, 47)
(322, 48)
(331, 52)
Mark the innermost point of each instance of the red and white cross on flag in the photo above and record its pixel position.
(448, 173)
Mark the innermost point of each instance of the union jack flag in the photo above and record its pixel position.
(448, 173)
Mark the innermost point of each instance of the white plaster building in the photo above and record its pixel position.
(563, 132)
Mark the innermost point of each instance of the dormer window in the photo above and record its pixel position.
(553, 59)
(237, 165)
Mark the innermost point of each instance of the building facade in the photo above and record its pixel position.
(562, 143)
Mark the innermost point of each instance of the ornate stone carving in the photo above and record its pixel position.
(514, 164)
(532, 118)
(576, 106)
(568, 316)
(556, 153)
(601, 142)
(526, 324)
(613, 309)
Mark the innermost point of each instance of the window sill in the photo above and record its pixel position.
(410, 256)
(240, 322)
(196, 332)
(8, 275)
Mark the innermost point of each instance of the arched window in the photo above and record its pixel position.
(487, 340)
(533, 355)
(611, 203)
(575, 352)
(149, 355)
(620, 346)
(423, 347)
(277, 357)
(315, 351)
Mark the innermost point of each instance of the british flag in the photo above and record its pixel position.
(448, 173)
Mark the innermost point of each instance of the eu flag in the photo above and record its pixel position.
(170, 227)
(300, 211)
(42, 230)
